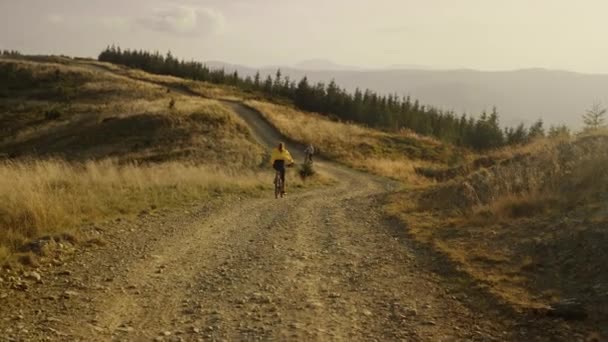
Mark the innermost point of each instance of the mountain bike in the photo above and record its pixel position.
(308, 158)
(279, 187)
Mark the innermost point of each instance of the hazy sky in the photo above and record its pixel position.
(480, 34)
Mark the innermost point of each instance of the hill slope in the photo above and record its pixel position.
(529, 226)
(80, 145)
(65, 109)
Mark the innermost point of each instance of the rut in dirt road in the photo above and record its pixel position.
(317, 265)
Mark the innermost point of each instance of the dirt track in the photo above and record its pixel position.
(317, 265)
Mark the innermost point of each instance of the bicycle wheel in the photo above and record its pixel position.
(277, 185)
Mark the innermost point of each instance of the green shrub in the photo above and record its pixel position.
(306, 170)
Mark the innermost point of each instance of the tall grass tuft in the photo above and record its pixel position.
(50, 197)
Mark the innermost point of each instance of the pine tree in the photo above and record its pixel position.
(302, 93)
(277, 82)
(247, 83)
(256, 80)
(285, 91)
(518, 135)
(487, 133)
(560, 131)
(594, 117)
(235, 78)
(536, 130)
(268, 85)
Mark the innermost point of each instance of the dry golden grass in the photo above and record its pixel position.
(402, 169)
(514, 206)
(49, 197)
(125, 116)
(79, 83)
(208, 90)
(539, 145)
(40, 198)
(313, 128)
(472, 246)
(390, 155)
(553, 174)
(540, 210)
(113, 115)
(71, 89)
(106, 115)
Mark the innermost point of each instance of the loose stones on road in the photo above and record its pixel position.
(34, 276)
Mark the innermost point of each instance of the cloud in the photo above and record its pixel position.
(183, 20)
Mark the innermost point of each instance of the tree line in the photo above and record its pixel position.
(388, 112)
(10, 53)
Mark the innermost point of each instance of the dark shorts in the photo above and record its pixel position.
(279, 165)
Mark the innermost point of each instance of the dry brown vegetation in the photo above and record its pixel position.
(105, 115)
(211, 91)
(54, 197)
(82, 144)
(391, 155)
(397, 155)
(530, 228)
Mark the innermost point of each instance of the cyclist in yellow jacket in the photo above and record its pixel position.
(279, 158)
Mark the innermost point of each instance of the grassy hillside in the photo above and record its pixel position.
(385, 154)
(85, 140)
(77, 113)
(79, 144)
(530, 228)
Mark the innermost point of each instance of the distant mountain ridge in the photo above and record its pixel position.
(556, 96)
(324, 64)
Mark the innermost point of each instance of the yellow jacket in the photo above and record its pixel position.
(278, 155)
